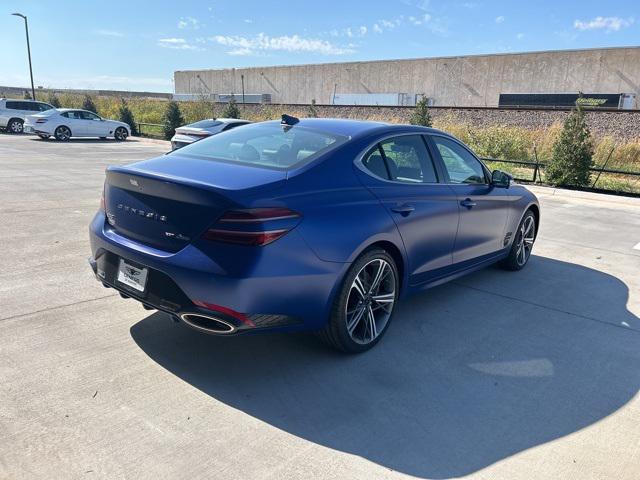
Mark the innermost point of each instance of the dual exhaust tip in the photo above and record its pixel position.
(208, 324)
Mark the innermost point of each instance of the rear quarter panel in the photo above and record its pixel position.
(341, 217)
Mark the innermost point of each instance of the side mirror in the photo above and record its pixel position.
(501, 179)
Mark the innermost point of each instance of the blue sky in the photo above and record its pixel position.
(136, 45)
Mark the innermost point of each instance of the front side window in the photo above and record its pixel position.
(460, 164)
(88, 116)
(268, 145)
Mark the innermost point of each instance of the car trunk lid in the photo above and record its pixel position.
(166, 203)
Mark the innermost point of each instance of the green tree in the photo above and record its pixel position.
(87, 104)
(231, 110)
(313, 111)
(172, 120)
(126, 115)
(421, 115)
(572, 152)
(53, 100)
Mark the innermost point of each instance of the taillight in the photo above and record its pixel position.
(41, 120)
(253, 226)
(258, 215)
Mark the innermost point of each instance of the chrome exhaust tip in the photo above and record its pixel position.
(207, 324)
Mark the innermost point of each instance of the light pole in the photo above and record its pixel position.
(26, 29)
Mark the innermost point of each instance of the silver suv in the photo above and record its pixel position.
(13, 112)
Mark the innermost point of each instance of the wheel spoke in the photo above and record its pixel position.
(384, 298)
(355, 320)
(380, 273)
(358, 287)
(372, 322)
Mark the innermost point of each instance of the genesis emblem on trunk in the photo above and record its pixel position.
(142, 213)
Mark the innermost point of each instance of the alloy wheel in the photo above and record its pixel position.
(16, 126)
(526, 236)
(121, 134)
(370, 301)
(63, 133)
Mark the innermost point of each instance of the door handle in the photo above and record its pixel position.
(467, 202)
(404, 209)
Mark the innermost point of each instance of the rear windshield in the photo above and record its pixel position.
(264, 144)
(204, 124)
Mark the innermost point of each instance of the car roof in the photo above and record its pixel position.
(353, 128)
(21, 100)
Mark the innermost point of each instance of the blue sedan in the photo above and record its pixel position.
(311, 224)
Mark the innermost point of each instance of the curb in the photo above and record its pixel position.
(152, 140)
(597, 197)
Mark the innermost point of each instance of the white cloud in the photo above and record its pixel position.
(188, 23)
(608, 24)
(360, 31)
(520, 36)
(177, 44)
(500, 19)
(108, 33)
(376, 28)
(419, 20)
(286, 43)
(247, 20)
(388, 24)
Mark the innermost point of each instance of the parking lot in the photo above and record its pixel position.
(497, 375)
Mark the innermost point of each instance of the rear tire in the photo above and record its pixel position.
(62, 133)
(120, 134)
(364, 305)
(522, 244)
(15, 125)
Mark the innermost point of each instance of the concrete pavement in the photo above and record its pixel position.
(498, 375)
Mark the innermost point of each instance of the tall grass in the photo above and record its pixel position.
(493, 141)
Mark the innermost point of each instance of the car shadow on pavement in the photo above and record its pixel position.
(463, 379)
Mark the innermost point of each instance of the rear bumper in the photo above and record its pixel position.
(285, 287)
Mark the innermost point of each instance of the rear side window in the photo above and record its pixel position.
(402, 159)
(73, 114)
(267, 145)
(43, 107)
(205, 124)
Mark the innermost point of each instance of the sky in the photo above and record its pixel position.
(137, 45)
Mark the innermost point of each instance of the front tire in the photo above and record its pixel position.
(62, 133)
(120, 134)
(522, 244)
(15, 125)
(364, 305)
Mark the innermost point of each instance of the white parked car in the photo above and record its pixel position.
(204, 128)
(13, 112)
(64, 123)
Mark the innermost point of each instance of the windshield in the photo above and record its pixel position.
(204, 124)
(264, 144)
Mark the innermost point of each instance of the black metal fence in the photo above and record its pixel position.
(537, 174)
(153, 130)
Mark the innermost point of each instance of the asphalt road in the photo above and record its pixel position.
(498, 375)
